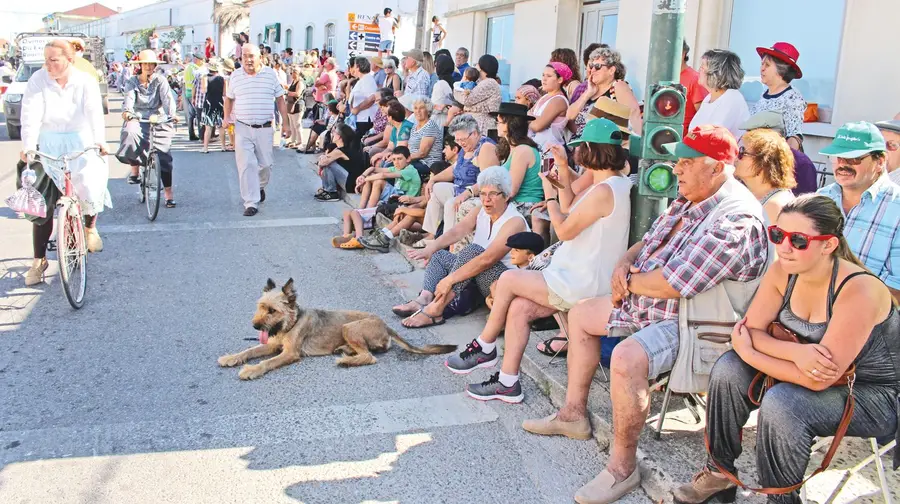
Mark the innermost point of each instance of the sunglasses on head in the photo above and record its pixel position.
(799, 241)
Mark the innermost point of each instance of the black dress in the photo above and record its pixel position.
(213, 105)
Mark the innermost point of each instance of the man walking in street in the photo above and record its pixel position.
(190, 74)
(417, 78)
(251, 90)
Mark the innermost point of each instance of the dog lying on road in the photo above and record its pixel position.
(294, 332)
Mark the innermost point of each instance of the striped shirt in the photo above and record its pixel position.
(253, 95)
(733, 248)
(429, 130)
(872, 227)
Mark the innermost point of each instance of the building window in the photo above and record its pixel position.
(288, 35)
(753, 25)
(309, 37)
(500, 45)
(329, 37)
(599, 23)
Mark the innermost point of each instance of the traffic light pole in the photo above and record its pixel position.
(664, 64)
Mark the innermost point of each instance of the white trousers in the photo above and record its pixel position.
(440, 206)
(254, 157)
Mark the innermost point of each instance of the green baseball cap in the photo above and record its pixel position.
(854, 140)
(601, 131)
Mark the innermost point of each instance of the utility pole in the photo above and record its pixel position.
(663, 116)
(423, 16)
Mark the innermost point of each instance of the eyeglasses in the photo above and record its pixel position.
(853, 161)
(744, 152)
(599, 66)
(799, 241)
(490, 195)
(893, 145)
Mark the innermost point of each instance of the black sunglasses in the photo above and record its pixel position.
(799, 241)
(599, 66)
(744, 152)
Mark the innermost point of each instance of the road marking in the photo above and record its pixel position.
(163, 227)
(280, 426)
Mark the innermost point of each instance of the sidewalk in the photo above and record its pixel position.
(680, 452)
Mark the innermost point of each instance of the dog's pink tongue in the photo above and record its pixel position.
(263, 337)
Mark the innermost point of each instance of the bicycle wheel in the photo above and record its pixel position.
(153, 187)
(71, 251)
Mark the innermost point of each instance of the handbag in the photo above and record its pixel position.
(27, 199)
(778, 331)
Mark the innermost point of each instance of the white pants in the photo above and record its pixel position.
(254, 157)
(440, 206)
(295, 128)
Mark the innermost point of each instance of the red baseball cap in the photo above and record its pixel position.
(710, 141)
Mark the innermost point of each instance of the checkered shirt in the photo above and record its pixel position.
(198, 96)
(734, 248)
(872, 228)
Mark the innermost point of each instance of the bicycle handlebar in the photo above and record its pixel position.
(154, 120)
(65, 158)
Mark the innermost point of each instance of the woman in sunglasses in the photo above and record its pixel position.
(765, 164)
(819, 290)
(605, 77)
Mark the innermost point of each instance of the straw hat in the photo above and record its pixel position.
(228, 65)
(147, 56)
(616, 112)
(213, 65)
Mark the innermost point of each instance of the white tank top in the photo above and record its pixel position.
(582, 268)
(485, 232)
(553, 134)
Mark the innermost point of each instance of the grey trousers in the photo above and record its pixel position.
(333, 176)
(254, 157)
(442, 263)
(789, 417)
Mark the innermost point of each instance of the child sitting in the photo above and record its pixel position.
(525, 246)
(373, 188)
(410, 214)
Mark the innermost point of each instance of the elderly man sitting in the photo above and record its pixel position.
(712, 233)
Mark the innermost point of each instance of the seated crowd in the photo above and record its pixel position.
(526, 204)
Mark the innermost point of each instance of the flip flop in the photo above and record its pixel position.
(434, 322)
(351, 244)
(408, 313)
(548, 349)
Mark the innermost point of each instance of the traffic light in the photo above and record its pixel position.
(663, 123)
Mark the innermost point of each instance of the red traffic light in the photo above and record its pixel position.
(668, 103)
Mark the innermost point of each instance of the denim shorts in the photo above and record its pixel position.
(388, 191)
(387, 45)
(660, 343)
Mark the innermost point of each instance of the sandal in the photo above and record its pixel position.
(419, 245)
(337, 241)
(170, 203)
(408, 313)
(548, 347)
(434, 321)
(351, 244)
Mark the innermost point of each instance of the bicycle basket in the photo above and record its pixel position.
(27, 199)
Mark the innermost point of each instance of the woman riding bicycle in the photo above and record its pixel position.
(146, 94)
(62, 113)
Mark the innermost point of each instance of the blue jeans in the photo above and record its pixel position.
(331, 175)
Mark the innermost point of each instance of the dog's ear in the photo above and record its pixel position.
(289, 291)
(270, 284)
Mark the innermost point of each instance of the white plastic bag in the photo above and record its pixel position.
(28, 200)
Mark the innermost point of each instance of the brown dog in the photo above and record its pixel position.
(294, 332)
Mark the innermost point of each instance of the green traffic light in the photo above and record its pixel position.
(660, 178)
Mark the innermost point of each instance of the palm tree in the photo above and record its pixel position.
(229, 13)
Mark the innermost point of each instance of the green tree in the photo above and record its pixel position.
(141, 39)
(177, 35)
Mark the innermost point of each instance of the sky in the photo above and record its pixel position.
(25, 16)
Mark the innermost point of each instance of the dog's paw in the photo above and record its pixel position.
(249, 372)
(229, 361)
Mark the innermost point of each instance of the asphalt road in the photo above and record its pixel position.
(122, 401)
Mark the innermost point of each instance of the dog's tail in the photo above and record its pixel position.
(427, 349)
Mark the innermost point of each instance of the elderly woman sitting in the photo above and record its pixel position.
(477, 151)
(721, 74)
(426, 139)
(484, 260)
(593, 226)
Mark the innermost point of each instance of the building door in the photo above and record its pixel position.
(599, 22)
(500, 45)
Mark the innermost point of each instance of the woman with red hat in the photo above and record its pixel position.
(777, 70)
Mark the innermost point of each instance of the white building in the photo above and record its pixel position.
(846, 46)
(195, 16)
(326, 25)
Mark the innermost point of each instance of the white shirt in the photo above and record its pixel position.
(386, 25)
(47, 106)
(485, 232)
(253, 95)
(364, 88)
(730, 111)
(282, 77)
(895, 176)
